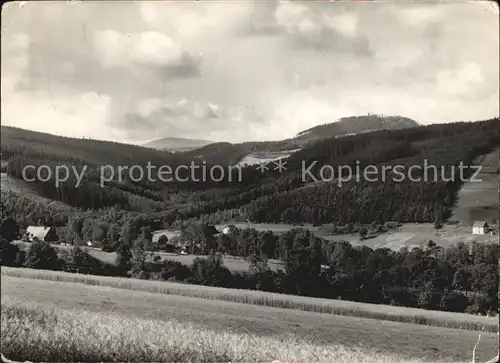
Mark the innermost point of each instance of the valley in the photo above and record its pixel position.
(313, 265)
(250, 181)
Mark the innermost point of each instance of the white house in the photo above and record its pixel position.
(229, 229)
(41, 233)
(480, 227)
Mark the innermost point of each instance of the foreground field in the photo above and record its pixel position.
(31, 331)
(325, 306)
(75, 322)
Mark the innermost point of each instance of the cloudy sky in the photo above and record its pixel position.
(234, 71)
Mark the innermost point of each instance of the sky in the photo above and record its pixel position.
(240, 71)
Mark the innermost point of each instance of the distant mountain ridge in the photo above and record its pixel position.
(176, 144)
(357, 124)
(344, 126)
(225, 153)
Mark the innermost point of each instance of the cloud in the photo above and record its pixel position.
(76, 115)
(150, 49)
(187, 118)
(313, 26)
(463, 81)
(243, 70)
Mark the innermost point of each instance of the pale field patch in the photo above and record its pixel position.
(47, 334)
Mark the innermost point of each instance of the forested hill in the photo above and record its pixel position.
(176, 144)
(343, 127)
(269, 196)
(356, 124)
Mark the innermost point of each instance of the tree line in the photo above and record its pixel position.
(453, 279)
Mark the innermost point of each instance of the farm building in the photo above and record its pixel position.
(166, 233)
(229, 229)
(480, 227)
(41, 233)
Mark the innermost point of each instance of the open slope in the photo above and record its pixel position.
(176, 144)
(311, 331)
(354, 125)
(479, 200)
(23, 189)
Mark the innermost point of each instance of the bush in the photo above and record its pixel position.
(41, 255)
(392, 225)
(210, 271)
(454, 302)
(480, 305)
(175, 270)
(10, 254)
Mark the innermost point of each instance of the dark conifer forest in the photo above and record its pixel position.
(269, 196)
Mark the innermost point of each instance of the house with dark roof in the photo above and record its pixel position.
(164, 232)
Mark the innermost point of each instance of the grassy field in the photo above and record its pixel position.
(53, 320)
(251, 297)
(417, 235)
(408, 235)
(235, 264)
(479, 201)
(31, 331)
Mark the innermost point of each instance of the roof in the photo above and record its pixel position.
(211, 228)
(39, 232)
(164, 232)
(480, 224)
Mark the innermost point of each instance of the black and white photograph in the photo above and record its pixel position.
(250, 181)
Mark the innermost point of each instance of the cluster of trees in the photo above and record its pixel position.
(428, 278)
(431, 278)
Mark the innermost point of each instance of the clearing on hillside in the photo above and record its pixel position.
(479, 200)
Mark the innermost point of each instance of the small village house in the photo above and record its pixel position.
(171, 237)
(41, 233)
(229, 229)
(480, 227)
(163, 232)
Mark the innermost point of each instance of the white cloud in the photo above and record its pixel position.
(74, 115)
(420, 14)
(460, 81)
(148, 48)
(267, 70)
(291, 15)
(346, 23)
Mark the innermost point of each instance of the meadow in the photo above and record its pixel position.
(59, 321)
(233, 263)
(36, 333)
(274, 300)
(479, 200)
